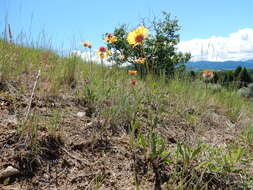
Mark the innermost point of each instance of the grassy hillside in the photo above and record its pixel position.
(78, 125)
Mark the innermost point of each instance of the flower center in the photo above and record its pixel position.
(139, 38)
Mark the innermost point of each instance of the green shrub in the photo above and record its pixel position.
(246, 91)
(244, 78)
(159, 49)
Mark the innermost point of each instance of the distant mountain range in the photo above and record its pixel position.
(226, 65)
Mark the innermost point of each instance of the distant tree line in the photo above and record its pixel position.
(240, 77)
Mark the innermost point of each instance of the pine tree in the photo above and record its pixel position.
(230, 76)
(237, 72)
(215, 78)
(192, 75)
(244, 78)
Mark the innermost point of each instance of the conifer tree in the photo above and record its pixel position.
(237, 72)
(244, 78)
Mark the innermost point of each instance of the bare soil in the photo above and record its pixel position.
(84, 153)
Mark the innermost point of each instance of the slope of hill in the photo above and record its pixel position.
(77, 125)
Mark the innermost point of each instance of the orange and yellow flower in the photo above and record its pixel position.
(87, 44)
(103, 52)
(137, 36)
(132, 72)
(110, 39)
(140, 60)
(207, 75)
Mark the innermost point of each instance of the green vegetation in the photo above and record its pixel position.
(153, 134)
(246, 92)
(158, 49)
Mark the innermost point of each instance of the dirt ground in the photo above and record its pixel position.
(84, 154)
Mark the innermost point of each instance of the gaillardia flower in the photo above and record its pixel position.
(133, 82)
(140, 60)
(110, 39)
(137, 36)
(132, 72)
(103, 52)
(207, 75)
(87, 44)
(102, 49)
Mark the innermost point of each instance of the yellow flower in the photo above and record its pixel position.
(121, 57)
(111, 39)
(132, 72)
(87, 44)
(140, 60)
(103, 52)
(137, 36)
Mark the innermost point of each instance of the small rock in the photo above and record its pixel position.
(89, 124)
(8, 172)
(7, 119)
(230, 124)
(46, 176)
(81, 114)
(12, 120)
(43, 109)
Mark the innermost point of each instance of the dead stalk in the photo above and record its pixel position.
(31, 98)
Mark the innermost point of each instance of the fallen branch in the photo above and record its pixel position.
(31, 98)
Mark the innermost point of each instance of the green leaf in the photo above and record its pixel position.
(6, 181)
(196, 152)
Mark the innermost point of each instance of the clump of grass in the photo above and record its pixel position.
(30, 130)
(54, 124)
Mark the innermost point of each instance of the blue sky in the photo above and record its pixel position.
(67, 22)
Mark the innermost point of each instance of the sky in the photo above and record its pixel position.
(215, 30)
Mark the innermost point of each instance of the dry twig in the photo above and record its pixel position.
(31, 98)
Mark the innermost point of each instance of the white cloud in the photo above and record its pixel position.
(237, 46)
(87, 56)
